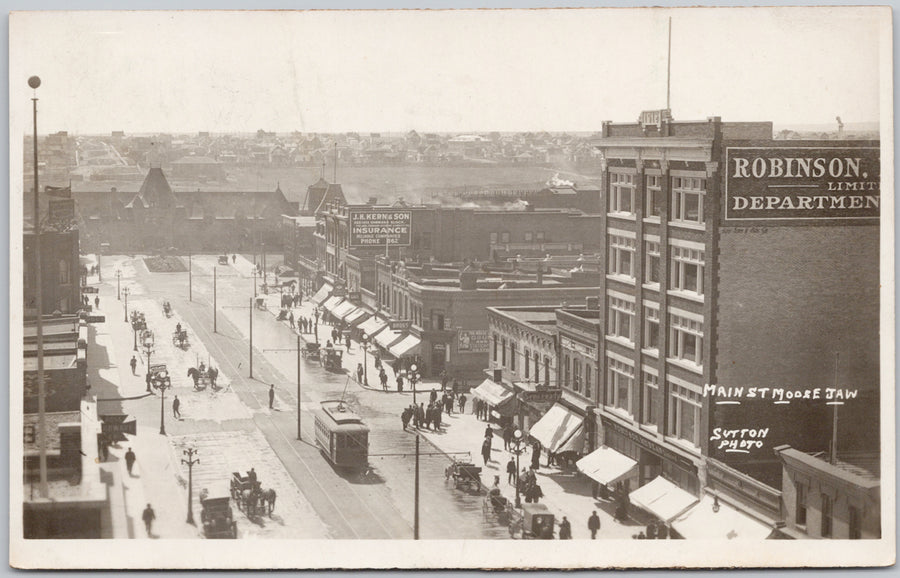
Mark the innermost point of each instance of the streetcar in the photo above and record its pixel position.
(342, 436)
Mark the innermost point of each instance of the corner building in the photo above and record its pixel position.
(705, 288)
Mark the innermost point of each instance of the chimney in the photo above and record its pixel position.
(498, 376)
(373, 201)
(468, 279)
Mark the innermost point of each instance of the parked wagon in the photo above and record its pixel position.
(332, 358)
(216, 515)
(464, 475)
(245, 491)
(311, 352)
(180, 339)
(535, 522)
(223, 259)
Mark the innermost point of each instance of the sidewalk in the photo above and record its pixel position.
(566, 493)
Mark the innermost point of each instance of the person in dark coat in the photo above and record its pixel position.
(436, 420)
(650, 532)
(488, 432)
(462, 403)
(176, 404)
(565, 529)
(399, 382)
(511, 471)
(251, 475)
(486, 450)
(662, 531)
(271, 395)
(347, 341)
(129, 460)
(594, 524)
(291, 319)
(432, 397)
(507, 436)
(97, 302)
(406, 416)
(148, 516)
(133, 365)
(535, 457)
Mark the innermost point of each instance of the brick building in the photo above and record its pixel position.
(61, 272)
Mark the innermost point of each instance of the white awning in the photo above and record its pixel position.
(331, 303)
(701, 522)
(556, 428)
(662, 498)
(373, 325)
(343, 309)
(406, 346)
(575, 443)
(492, 392)
(606, 465)
(321, 294)
(388, 337)
(356, 316)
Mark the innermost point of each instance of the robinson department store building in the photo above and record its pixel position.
(739, 261)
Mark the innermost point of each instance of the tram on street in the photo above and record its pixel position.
(341, 435)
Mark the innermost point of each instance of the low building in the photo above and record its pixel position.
(60, 272)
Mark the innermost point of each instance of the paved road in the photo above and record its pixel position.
(378, 505)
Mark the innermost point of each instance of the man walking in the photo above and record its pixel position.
(565, 529)
(271, 395)
(97, 302)
(148, 518)
(511, 471)
(462, 403)
(291, 319)
(129, 460)
(594, 524)
(176, 403)
(133, 365)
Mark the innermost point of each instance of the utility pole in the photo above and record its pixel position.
(251, 338)
(34, 82)
(416, 523)
(190, 277)
(189, 462)
(215, 310)
(298, 351)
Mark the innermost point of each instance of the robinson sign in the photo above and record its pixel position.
(379, 227)
(780, 184)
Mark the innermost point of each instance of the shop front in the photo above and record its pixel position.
(500, 407)
(560, 432)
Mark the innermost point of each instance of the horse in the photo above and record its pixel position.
(195, 374)
(250, 498)
(267, 500)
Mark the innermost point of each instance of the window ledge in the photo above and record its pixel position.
(684, 364)
(689, 295)
(651, 352)
(621, 278)
(683, 444)
(621, 341)
(618, 411)
(651, 286)
(620, 215)
(688, 225)
(656, 220)
(652, 429)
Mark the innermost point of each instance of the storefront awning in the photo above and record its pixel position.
(388, 337)
(357, 316)
(662, 498)
(331, 303)
(701, 522)
(321, 294)
(407, 346)
(373, 325)
(606, 465)
(344, 309)
(556, 429)
(492, 392)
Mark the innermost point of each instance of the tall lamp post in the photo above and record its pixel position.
(317, 325)
(518, 439)
(147, 340)
(365, 347)
(413, 378)
(125, 292)
(190, 462)
(119, 285)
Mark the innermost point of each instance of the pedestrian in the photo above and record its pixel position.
(488, 432)
(429, 415)
(97, 302)
(565, 529)
(383, 377)
(486, 450)
(291, 319)
(359, 372)
(347, 341)
(133, 365)
(662, 531)
(399, 382)
(476, 408)
(378, 360)
(148, 517)
(271, 395)
(233, 258)
(462, 403)
(176, 403)
(535, 457)
(448, 403)
(437, 417)
(651, 530)
(507, 436)
(420, 415)
(406, 416)
(594, 524)
(444, 379)
(511, 471)
(432, 396)
(129, 460)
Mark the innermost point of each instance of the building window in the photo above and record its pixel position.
(651, 390)
(621, 193)
(63, 272)
(30, 435)
(621, 318)
(528, 236)
(512, 356)
(504, 237)
(620, 385)
(687, 269)
(621, 256)
(537, 367)
(493, 238)
(567, 368)
(854, 523)
(495, 348)
(546, 370)
(539, 235)
(503, 352)
(576, 375)
(587, 380)
(826, 516)
(527, 363)
(687, 199)
(686, 339)
(684, 414)
(800, 517)
(651, 328)
(654, 199)
(653, 264)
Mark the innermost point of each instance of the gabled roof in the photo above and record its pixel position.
(334, 195)
(156, 190)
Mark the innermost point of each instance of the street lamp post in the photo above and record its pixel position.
(119, 284)
(413, 378)
(190, 277)
(125, 292)
(518, 438)
(317, 325)
(189, 462)
(365, 347)
(147, 343)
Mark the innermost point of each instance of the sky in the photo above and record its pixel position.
(446, 71)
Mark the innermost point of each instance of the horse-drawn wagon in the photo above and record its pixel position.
(311, 352)
(464, 475)
(332, 358)
(249, 496)
(215, 514)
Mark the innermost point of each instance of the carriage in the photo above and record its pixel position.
(311, 352)
(215, 514)
(167, 309)
(535, 522)
(223, 259)
(332, 358)
(261, 303)
(342, 436)
(180, 339)
(203, 377)
(465, 475)
(249, 496)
